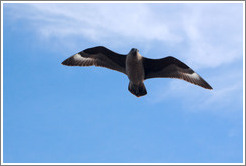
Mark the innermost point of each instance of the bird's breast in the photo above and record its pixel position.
(135, 69)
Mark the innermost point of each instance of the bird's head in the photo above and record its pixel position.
(134, 51)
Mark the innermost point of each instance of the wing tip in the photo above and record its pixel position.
(207, 86)
(204, 83)
(65, 62)
(69, 61)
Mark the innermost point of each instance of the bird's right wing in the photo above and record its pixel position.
(171, 67)
(98, 56)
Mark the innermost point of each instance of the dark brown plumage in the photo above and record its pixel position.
(136, 67)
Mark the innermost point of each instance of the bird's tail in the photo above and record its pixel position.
(137, 90)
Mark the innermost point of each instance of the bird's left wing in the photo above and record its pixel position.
(171, 67)
(98, 56)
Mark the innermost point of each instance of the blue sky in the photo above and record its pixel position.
(58, 114)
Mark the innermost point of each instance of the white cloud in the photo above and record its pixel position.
(100, 21)
(212, 33)
(205, 36)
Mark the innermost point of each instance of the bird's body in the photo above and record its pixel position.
(136, 67)
(135, 73)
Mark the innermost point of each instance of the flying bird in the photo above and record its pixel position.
(136, 67)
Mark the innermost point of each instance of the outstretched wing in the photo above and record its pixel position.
(98, 56)
(171, 67)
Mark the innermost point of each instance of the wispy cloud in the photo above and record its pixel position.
(214, 34)
(206, 36)
(99, 21)
(211, 33)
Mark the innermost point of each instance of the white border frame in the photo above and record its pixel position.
(243, 2)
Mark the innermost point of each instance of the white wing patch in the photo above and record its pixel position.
(84, 61)
(195, 76)
(78, 57)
